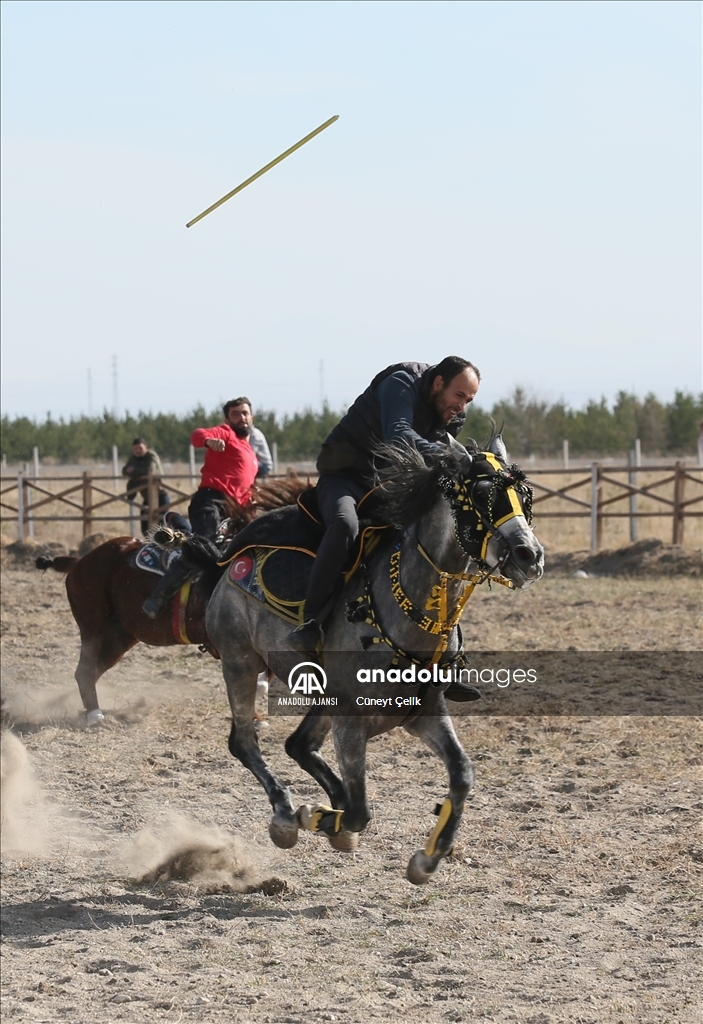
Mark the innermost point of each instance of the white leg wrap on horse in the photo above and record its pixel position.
(94, 717)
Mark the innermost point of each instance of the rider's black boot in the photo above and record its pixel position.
(306, 637)
(461, 692)
(169, 584)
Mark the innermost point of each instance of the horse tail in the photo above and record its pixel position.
(64, 563)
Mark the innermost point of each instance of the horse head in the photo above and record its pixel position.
(491, 503)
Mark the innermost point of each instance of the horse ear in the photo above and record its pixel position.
(496, 446)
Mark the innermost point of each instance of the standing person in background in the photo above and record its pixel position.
(261, 449)
(139, 465)
(229, 471)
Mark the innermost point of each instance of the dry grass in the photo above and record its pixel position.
(573, 895)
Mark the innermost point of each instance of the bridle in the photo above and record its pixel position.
(473, 529)
(473, 526)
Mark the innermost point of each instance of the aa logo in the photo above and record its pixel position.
(307, 678)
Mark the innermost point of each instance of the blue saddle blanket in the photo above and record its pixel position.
(151, 558)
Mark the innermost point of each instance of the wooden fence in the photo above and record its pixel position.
(87, 499)
(596, 493)
(621, 483)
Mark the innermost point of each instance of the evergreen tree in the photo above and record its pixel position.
(530, 426)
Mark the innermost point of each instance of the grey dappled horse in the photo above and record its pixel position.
(449, 520)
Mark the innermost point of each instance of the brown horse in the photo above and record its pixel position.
(106, 592)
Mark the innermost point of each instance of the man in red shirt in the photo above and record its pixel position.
(229, 470)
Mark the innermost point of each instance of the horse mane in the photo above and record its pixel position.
(265, 495)
(407, 481)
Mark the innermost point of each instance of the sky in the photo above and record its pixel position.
(516, 183)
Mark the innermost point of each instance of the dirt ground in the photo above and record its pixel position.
(573, 895)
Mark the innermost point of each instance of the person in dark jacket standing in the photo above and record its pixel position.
(142, 462)
(414, 403)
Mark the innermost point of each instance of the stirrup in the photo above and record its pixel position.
(155, 604)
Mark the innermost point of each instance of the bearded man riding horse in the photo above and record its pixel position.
(412, 403)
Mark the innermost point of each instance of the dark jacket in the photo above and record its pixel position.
(396, 406)
(137, 470)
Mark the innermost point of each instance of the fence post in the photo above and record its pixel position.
(20, 506)
(679, 485)
(115, 464)
(191, 460)
(596, 518)
(565, 452)
(152, 492)
(632, 480)
(27, 500)
(87, 504)
(274, 457)
(132, 519)
(35, 458)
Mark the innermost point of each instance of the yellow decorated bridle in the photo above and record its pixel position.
(460, 494)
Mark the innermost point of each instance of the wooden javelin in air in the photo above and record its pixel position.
(263, 171)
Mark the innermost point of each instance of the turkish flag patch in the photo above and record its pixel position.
(241, 567)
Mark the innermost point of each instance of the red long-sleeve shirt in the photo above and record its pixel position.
(232, 471)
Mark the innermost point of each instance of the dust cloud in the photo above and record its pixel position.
(182, 850)
(32, 709)
(32, 826)
(23, 828)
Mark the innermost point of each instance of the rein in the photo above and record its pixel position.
(442, 627)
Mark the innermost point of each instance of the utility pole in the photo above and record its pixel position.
(322, 385)
(115, 403)
(90, 392)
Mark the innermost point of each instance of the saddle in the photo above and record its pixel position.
(272, 558)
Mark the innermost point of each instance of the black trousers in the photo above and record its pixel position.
(164, 504)
(206, 511)
(337, 498)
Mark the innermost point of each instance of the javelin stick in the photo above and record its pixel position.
(263, 171)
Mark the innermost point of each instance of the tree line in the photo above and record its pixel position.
(531, 426)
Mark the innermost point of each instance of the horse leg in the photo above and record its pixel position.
(437, 732)
(303, 746)
(350, 746)
(241, 673)
(98, 654)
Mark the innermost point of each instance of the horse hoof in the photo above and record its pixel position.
(421, 868)
(94, 717)
(284, 833)
(345, 841)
